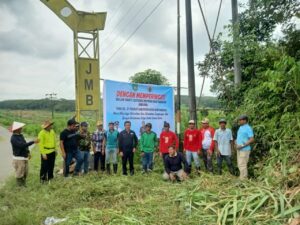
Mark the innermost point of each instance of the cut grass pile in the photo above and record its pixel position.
(146, 199)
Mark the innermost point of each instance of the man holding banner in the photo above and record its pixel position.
(127, 146)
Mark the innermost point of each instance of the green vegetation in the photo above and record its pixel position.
(149, 76)
(61, 105)
(99, 199)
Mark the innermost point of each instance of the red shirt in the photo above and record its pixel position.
(166, 140)
(203, 137)
(192, 140)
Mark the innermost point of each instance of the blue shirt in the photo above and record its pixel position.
(245, 132)
(223, 137)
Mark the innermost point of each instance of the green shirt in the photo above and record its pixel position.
(111, 137)
(148, 142)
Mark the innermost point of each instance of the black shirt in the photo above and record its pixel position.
(127, 140)
(173, 164)
(69, 139)
(19, 145)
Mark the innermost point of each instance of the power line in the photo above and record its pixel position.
(132, 34)
(211, 39)
(116, 12)
(120, 21)
(127, 24)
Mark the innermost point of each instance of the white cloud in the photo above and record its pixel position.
(36, 48)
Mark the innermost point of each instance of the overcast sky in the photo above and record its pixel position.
(36, 47)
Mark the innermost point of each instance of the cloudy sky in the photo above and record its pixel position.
(36, 47)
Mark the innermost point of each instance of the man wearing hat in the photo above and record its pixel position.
(69, 147)
(224, 145)
(84, 140)
(245, 137)
(117, 128)
(21, 153)
(191, 145)
(148, 144)
(110, 147)
(167, 138)
(207, 144)
(47, 146)
(98, 147)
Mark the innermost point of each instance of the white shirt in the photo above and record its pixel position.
(206, 142)
(223, 137)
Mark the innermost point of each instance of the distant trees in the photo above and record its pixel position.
(149, 76)
(61, 105)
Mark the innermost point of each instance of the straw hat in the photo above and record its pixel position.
(192, 122)
(47, 123)
(17, 126)
(99, 123)
(205, 120)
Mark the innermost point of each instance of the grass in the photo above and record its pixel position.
(145, 199)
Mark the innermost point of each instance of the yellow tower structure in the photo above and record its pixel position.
(85, 27)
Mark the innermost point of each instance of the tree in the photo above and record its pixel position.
(149, 76)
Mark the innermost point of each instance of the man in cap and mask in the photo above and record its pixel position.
(21, 153)
(98, 147)
(148, 144)
(224, 146)
(245, 137)
(47, 146)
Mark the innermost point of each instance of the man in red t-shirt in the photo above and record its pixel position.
(167, 138)
(191, 145)
(207, 144)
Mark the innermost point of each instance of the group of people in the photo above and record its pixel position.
(77, 142)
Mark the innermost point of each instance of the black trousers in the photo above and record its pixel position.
(47, 167)
(127, 156)
(98, 157)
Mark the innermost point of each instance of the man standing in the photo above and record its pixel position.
(69, 147)
(99, 156)
(245, 138)
(127, 147)
(173, 165)
(110, 146)
(207, 134)
(142, 128)
(117, 128)
(167, 138)
(84, 143)
(148, 144)
(47, 145)
(21, 153)
(191, 145)
(224, 145)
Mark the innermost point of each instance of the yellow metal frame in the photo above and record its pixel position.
(85, 27)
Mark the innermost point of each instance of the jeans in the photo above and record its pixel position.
(111, 156)
(194, 155)
(85, 156)
(148, 161)
(98, 157)
(69, 157)
(47, 167)
(207, 159)
(227, 158)
(127, 156)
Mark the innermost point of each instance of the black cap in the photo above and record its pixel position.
(71, 122)
(111, 123)
(243, 117)
(149, 125)
(84, 124)
(166, 124)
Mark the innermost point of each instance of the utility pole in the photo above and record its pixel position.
(190, 60)
(236, 31)
(178, 113)
(51, 97)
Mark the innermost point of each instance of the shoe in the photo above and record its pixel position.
(108, 168)
(131, 173)
(115, 168)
